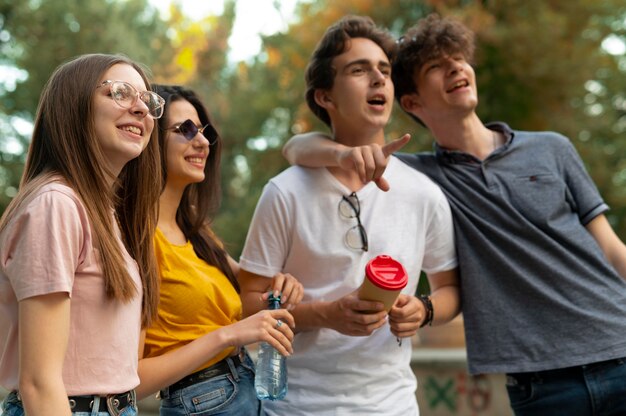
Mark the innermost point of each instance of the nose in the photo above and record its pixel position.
(454, 66)
(139, 108)
(378, 78)
(199, 140)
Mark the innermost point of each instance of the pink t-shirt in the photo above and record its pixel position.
(48, 247)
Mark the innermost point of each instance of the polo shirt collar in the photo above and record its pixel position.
(457, 156)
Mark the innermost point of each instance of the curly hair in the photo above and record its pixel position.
(431, 38)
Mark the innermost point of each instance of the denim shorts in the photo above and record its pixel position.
(12, 406)
(224, 394)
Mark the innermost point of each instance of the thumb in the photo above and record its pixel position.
(382, 184)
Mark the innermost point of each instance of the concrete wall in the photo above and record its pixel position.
(446, 389)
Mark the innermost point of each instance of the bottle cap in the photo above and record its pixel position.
(386, 273)
(274, 301)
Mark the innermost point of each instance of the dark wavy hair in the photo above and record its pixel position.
(431, 38)
(200, 201)
(320, 73)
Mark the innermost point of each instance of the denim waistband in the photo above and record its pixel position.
(227, 366)
(559, 373)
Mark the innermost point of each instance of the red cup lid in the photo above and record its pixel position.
(386, 273)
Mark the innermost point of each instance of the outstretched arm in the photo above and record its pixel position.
(319, 150)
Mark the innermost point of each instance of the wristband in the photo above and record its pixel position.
(430, 312)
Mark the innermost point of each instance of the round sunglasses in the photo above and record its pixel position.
(189, 130)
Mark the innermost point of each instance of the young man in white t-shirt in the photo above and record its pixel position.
(348, 355)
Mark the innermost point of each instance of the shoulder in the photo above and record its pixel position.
(550, 139)
(425, 162)
(410, 179)
(296, 180)
(410, 168)
(53, 199)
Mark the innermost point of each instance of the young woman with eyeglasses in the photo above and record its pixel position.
(194, 351)
(78, 278)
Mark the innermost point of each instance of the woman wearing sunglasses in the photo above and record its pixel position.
(77, 272)
(194, 352)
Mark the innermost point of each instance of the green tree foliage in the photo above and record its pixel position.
(540, 65)
(36, 36)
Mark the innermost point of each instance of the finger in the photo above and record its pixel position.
(367, 319)
(382, 184)
(367, 306)
(404, 328)
(277, 286)
(374, 326)
(279, 340)
(370, 164)
(380, 162)
(290, 289)
(395, 145)
(284, 316)
(297, 293)
(359, 164)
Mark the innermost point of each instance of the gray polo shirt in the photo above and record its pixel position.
(537, 291)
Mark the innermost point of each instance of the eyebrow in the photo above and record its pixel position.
(364, 61)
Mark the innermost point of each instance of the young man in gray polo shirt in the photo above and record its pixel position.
(542, 271)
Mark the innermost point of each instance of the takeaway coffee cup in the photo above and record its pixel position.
(384, 279)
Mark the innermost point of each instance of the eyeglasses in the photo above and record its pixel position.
(189, 130)
(125, 95)
(349, 207)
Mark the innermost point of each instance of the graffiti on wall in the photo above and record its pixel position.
(458, 392)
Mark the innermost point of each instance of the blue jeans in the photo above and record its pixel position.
(225, 394)
(597, 389)
(12, 406)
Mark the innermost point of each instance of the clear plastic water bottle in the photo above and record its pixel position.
(270, 381)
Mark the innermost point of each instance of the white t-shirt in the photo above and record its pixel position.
(297, 229)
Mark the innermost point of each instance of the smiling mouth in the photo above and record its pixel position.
(131, 129)
(459, 84)
(198, 160)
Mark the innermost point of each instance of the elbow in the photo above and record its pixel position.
(34, 389)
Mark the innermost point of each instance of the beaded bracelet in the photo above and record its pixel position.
(430, 312)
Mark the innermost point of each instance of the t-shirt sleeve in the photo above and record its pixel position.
(582, 191)
(268, 242)
(42, 245)
(440, 252)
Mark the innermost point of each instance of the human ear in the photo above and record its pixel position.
(410, 103)
(323, 98)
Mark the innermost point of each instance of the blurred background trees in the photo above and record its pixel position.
(555, 64)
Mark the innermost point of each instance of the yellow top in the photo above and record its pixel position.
(195, 298)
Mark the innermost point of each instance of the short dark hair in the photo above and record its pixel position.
(432, 37)
(320, 73)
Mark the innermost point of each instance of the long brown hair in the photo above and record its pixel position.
(201, 200)
(64, 143)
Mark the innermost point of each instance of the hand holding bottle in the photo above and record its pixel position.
(270, 381)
